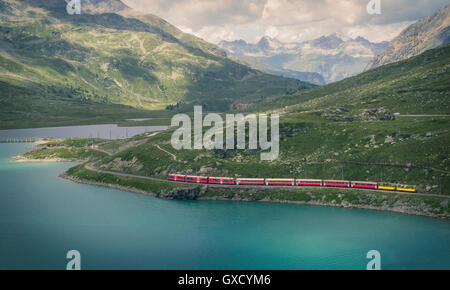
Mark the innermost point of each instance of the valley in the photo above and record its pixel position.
(59, 69)
(387, 125)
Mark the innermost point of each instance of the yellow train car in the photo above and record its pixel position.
(406, 189)
(383, 187)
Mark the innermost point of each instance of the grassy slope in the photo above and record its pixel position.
(50, 59)
(415, 86)
(313, 146)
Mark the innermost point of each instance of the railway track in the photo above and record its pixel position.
(89, 166)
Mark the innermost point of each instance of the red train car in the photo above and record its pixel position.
(280, 181)
(177, 177)
(192, 179)
(336, 183)
(196, 179)
(250, 181)
(215, 180)
(364, 184)
(203, 179)
(308, 182)
(228, 180)
(221, 180)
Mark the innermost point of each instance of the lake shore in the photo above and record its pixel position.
(74, 215)
(429, 205)
(110, 185)
(208, 193)
(23, 159)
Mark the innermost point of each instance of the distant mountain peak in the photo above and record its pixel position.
(340, 35)
(331, 41)
(361, 39)
(267, 42)
(269, 39)
(239, 41)
(334, 56)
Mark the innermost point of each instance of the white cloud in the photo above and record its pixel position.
(377, 33)
(272, 31)
(288, 20)
(215, 34)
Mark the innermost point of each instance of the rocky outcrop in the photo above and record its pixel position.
(343, 115)
(430, 32)
(133, 165)
(363, 200)
(182, 193)
(381, 114)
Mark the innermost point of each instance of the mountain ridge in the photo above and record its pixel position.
(418, 85)
(429, 32)
(334, 56)
(141, 61)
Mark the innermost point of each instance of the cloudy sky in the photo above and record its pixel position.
(287, 20)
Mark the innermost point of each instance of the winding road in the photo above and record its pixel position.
(174, 157)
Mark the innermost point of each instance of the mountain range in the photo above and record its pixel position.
(430, 32)
(112, 55)
(418, 85)
(57, 68)
(334, 57)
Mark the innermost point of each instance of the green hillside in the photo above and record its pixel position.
(48, 56)
(419, 85)
(403, 151)
(341, 131)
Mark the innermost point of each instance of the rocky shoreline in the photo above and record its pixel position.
(228, 194)
(348, 206)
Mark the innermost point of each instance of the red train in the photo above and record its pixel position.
(336, 183)
(273, 181)
(250, 181)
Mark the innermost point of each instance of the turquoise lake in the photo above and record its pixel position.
(42, 217)
(108, 131)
